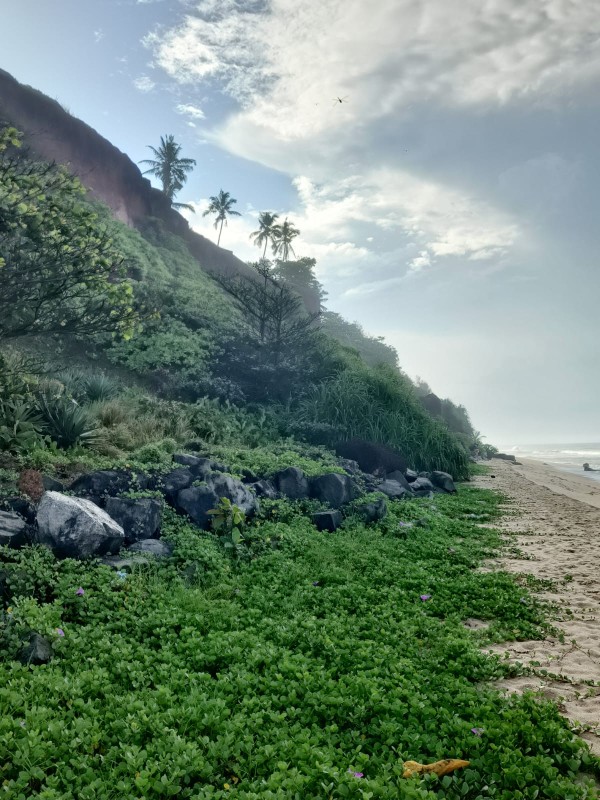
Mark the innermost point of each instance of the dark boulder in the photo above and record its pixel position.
(423, 493)
(73, 527)
(373, 511)
(422, 484)
(173, 482)
(196, 465)
(264, 489)
(197, 501)
(50, 484)
(351, 467)
(443, 480)
(21, 507)
(377, 459)
(13, 530)
(332, 488)
(37, 651)
(399, 477)
(97, 486)
(327, 520)
(505, 457)
(151, 547)
(411, 475)
(140, 519)
(291, 482)
(394, 490)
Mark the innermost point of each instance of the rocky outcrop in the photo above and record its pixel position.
(442, 480)
(100, 485)
(76, 528)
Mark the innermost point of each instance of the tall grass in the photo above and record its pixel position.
(380, 404)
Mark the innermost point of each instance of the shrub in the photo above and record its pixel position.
(20, 426)
(66, 423)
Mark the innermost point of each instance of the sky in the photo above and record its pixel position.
(450, 199)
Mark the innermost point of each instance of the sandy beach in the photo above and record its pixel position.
(555, 518)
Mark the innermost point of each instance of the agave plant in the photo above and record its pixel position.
(66, 423)
(20, 426)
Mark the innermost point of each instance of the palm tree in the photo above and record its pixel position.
(266, 228)
(282, 237)
(221, 205)
(169, 168)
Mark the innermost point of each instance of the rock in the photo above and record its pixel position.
(37, 651)
(196, 501)
(50, 484)
(423, 493)
(140, 519)
(97, 486)
(264, 489)
(411, 475)
(327, 520)
(73, 527)
(373, 511)
(291, 482)
(173, 482)
(332, 488)
(505, 457)
(443, 480)
(249, 477)
(372, 457)
(399, 477)
(153, 547)
(394, 490)
(13, 530)
(220, 467)
(422, 483)
(21, 507)
(349, 465)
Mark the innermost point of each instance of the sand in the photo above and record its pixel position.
(555, 524)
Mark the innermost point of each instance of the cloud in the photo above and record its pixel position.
(99, 35)
(190, 110)
(144, 83)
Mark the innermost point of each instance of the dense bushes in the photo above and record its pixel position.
(380, 404)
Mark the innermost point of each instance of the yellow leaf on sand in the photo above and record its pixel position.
(438, 768)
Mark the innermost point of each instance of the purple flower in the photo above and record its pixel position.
(355, 774)
(60, 632)
(80, 592)
(315, 583)
(425, 597)
(477, 731)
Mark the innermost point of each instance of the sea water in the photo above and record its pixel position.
(566, 457)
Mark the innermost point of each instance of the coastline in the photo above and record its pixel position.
(554, 521)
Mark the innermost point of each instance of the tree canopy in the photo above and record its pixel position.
(59, 271)
(169, 167)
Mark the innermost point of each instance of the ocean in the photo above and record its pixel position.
(566, 457)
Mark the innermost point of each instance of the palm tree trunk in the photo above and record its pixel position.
(265, 250)
(220, 232)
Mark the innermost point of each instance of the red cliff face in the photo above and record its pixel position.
(108, 174)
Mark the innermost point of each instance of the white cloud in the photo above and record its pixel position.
(190, 110)
(99, 35)
(144, 83)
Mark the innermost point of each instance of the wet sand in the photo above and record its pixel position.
(555, 518)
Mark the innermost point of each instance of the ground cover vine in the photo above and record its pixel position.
(313, 668)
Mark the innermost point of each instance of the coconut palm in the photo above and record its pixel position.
(266, 227)
(282, 237)
(169, 167)
(221, 205)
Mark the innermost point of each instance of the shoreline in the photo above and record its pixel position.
(554, 521)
